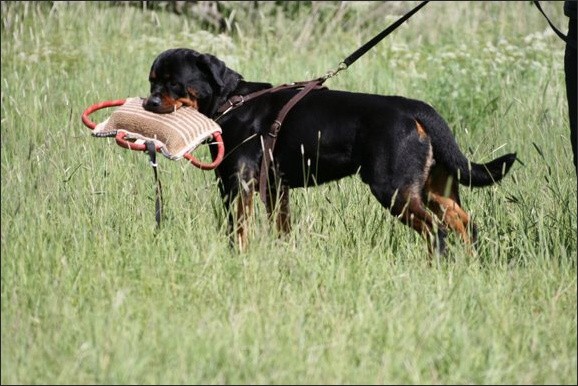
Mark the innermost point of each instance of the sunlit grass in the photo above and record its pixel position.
(92, 293)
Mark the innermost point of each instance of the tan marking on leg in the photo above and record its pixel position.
(415, 215)
(417, 187)
(278, 209)
(443, 200)
(450, 213)
(244, 214)
(283, 222)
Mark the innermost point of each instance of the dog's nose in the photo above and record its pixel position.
(152, 102)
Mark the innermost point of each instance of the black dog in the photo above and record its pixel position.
(400, 147)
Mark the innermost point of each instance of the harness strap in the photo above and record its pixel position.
(238, 100)
(151, 150)
(271, 137)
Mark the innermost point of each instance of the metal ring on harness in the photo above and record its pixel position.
(121, 141)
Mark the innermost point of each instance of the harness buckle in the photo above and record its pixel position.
(274, 129)
(234, 103)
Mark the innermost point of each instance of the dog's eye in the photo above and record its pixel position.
(172, 83)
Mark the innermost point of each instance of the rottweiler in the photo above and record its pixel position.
(402, 148)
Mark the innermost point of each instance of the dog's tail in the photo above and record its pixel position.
(447, 152)
(473, 174)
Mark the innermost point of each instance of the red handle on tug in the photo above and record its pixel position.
(121, 141)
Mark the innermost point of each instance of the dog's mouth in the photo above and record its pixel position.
(166, 105)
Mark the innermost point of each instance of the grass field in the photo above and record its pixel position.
(92, 293)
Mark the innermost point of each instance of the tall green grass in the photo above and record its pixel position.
(92, 293)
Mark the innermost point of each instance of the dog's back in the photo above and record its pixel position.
(334, 141)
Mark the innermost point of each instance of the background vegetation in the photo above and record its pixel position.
(91, 293)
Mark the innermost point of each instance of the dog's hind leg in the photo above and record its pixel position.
(408, 207)
(442, 197)
(397, 179)
(414, 214)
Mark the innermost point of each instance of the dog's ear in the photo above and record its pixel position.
(225, 78)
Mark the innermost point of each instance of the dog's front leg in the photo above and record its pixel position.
(244, 213)
(280, 214)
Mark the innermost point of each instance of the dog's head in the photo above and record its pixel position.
(182, 76)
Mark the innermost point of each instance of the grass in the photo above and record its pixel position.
(91, 293)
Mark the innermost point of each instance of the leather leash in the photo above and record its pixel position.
(370, 44)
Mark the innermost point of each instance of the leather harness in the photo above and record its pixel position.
(269, 140)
